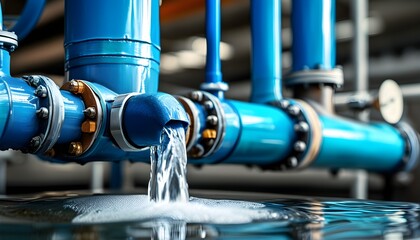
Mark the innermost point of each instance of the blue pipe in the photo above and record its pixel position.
(313, 29)
(213, 65)
(349, 144)
(28, 18)
(146, 115)
(121, 52)
(18, 107)
(73, 112)
(255, 134)
(266, 50)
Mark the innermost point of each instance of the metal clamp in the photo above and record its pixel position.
(316, 76)
(116, 120)
(308, 130)
(51, 112)
(9, 40)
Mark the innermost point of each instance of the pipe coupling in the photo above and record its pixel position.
(412, 149)
(308, 131)
(50, 113)
(207, 123)
(116, 123)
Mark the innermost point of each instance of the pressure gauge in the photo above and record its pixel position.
(390, 101)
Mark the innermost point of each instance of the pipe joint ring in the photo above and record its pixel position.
(308, 131)
(412, 150)
(116, 121)
(51, 113)
(207, 139)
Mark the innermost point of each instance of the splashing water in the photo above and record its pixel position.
(168, 175)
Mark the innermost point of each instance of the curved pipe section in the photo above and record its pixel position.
(121, 53)
(145, 115)
(266, 50)
(28, 18)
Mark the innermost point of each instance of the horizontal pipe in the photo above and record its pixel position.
(348, 144)
(255, 134)
(313, 29)
(122, 52)
(18, 120)
(73, 118)
(266, 50)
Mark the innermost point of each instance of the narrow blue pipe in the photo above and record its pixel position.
(266, 50)
(28, 18)
(115, 44)
(1, 16)
(348, 144)
(213, 26)
(313, 29)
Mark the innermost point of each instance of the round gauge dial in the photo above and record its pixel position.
(390, 101)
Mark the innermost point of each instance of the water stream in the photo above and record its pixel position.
(168, 175)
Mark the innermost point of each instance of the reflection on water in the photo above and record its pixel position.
(133, 217)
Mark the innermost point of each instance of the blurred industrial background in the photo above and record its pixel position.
(394, 53)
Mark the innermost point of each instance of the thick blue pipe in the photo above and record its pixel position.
(18, 121)
(28, 18)
(213, 65)
(255, 134)
(349, 144)
(266, 50)
(313, 28)
(115, 44)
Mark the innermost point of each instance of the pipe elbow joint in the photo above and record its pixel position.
(137, 120)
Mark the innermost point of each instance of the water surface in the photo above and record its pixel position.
(109, 216)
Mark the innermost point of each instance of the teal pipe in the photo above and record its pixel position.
(348, 144)
(267, 135)
(266, 50)
(255, 134)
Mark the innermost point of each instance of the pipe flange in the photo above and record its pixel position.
(50, 112)
(192, 133)
(117, 112)
(412, 150)
(308, 130)
(204, 140)
(9, 40)
(92, 123)
(316, 76)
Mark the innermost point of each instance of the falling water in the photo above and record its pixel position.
(168, 175)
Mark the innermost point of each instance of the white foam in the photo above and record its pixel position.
(112, 208)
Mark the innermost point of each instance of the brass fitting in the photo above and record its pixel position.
(76, 87)
(209, 134)
(75, 148)
(88, 126)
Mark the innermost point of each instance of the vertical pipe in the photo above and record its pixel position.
(313, 28)
(1, 16)
(213, 65)
(266, 50)
(113, 43)
(360, 63)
